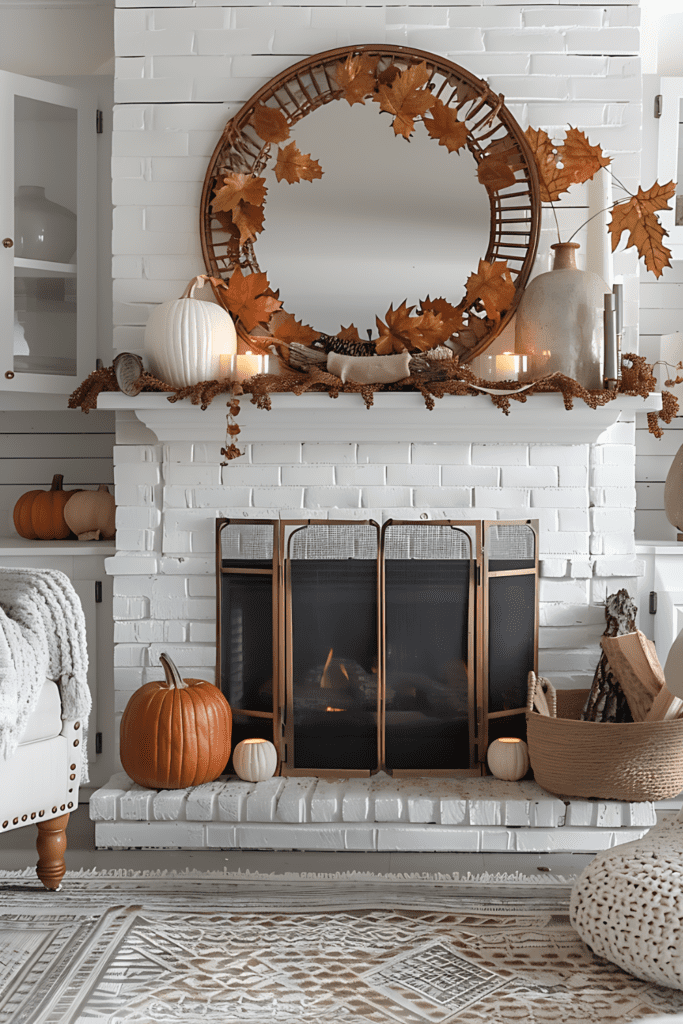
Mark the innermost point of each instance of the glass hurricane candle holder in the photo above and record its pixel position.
(504, 366)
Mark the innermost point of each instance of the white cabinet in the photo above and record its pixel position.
(663, 149)
(664, 578)
(48, 284)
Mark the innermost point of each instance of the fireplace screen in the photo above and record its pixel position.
(357, 648)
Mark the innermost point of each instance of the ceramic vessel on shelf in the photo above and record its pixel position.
(673, 491)
(43, 230)
(560, 321)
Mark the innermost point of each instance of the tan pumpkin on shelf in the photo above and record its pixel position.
(39, 515)
(175, 732)
(92, 514)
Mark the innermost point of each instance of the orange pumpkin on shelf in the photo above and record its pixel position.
(175, 732)
(39, 515)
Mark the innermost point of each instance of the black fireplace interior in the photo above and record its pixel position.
(355, 648)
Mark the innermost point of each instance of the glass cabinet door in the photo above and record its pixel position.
(47, 229)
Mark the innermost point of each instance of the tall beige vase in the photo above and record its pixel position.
(673, 491)
(559, 324)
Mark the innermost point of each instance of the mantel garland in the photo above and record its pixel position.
(637, 379)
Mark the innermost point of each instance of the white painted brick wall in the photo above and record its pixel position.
(182, 71)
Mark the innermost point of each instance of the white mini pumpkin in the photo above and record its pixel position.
(508, 759)
(185, 338)
(94, 514)
(255, 760)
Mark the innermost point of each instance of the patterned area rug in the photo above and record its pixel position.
(115, 949)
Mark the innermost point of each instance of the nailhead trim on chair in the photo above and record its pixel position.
(73, 769)
(54, 810)
(24, 817)
(33, 816)
(72, 777)
(41, 813)
(15, 821)
(70, 804)
(77, 725)
(76, 742)
(5, 824)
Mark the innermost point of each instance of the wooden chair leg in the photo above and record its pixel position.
(51, 845)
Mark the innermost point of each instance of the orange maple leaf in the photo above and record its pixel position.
(239, 188)
(451, 315)
(553, 180)
(638, 217)
(246, 299)
(292, 165)
(494, 174)
(445, 126)
(269, 123)
(493, 286)
(399, 333)
(389, 75)
(249, 221)
(356, 77)
(288, 329)
(406, 98)
(433, 330)
(349, 333)
(579, 158)
(507, 152)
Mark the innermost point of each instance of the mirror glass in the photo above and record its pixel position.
(389, 220)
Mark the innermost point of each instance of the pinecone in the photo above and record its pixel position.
(345, 348)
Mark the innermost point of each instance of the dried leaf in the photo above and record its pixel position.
(289, 330)
(246, 299)
(227, 224)
(507, 152)
(445, 126)
(494, 174)
(493, 286)
(293, 165)
(249, 221)
(356, 77)
(233, 429)
(478, 326)
(406, 98)
(450, 314)
(389, 75)
(638, 217)
(269, 123)
(579, 158)
(399, 332)
(239, 188)
(433, 330)
(349, 333)
(554, 180)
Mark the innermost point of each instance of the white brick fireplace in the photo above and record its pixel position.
(182, 71)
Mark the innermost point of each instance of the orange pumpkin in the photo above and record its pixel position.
(175, 732)
(39, 515)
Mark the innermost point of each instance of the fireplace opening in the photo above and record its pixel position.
(356, 648)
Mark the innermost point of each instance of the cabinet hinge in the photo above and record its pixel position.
(98, 742)
(653, 602)
(98, 591)
(99, 124)
(659, 104)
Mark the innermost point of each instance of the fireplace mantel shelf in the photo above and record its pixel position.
(316, 417)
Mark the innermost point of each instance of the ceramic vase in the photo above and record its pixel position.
(673, 491)
(43, 230)
(559, 324)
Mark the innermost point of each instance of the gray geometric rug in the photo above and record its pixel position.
(198, 949)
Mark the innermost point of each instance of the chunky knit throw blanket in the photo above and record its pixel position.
(42, 635)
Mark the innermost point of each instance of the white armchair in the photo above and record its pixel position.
(39, 782)
(44, 708)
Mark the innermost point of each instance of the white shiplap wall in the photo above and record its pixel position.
(36, 445)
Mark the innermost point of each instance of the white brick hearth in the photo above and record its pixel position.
(376, 814)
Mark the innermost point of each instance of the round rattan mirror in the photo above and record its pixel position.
(408, 179)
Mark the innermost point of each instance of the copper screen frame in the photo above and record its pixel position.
(477, 632)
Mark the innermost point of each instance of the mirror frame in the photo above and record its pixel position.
(305, 86)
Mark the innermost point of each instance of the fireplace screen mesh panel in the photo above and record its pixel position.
(246, 625)
(332, 582)
(512, 623)
(428, 707)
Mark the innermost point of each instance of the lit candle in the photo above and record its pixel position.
(239, 367)
(509, 366)
(611, 363)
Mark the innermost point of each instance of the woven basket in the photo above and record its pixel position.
(608, 760)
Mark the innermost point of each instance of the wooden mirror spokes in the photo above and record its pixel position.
(458, 112)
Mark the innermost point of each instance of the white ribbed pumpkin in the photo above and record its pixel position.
(508, 759)
(254, 760)
(184, 338)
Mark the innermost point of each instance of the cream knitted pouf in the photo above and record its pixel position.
(628, 905)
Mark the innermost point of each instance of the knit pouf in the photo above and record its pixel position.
(628, 905)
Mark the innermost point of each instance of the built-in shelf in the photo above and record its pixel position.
(19, 546)
(39, 268)
(393, 417)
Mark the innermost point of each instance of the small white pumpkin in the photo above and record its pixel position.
(255, 760)
(508, 759)
(93, 515)
(185, 338)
